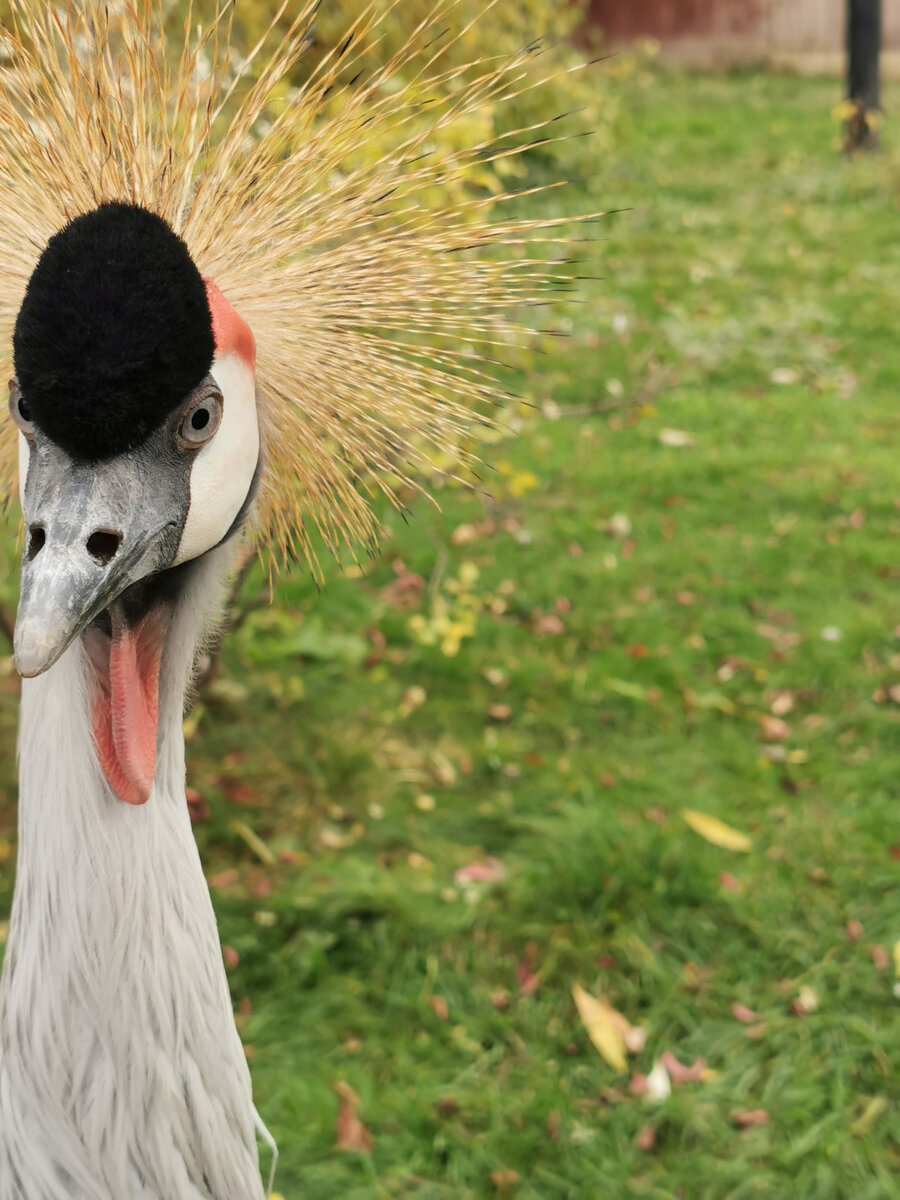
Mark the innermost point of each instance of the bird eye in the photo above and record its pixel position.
(20, 410)
(202, 421)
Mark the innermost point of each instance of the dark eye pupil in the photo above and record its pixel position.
(200, 418)
(24, 410)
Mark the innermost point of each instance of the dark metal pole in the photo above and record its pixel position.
(863, 82)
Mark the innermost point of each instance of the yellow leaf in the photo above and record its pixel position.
(255, 842)
(716, 831)
(603, 1025)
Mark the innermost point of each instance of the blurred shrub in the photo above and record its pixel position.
(474, 31)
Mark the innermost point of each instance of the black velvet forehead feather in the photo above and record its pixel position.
(113, 333)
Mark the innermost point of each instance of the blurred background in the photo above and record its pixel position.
(556, 851)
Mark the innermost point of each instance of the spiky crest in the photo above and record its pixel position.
(371, 306)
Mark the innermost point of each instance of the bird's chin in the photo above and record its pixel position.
(124, 646)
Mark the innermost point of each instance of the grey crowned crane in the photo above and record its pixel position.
(223, 317)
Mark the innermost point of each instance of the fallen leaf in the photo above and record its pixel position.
(646, 1139)
(549, 624)
(729, 882)
(853, 929)
(716, 831)
(352, 1135)
(742, 1013)
(783, 376)
(678, 1072)
(526, 976)
(618, 526)
(748, 1118)
(500, 712)
(638, 1085)
(676, 438)
(872, 1113)
(774, 729)
(254, 841)
(602, 1027)
(504, 1178)
(491, 870)
(635, 1039)
(806, 1002)
(782, 703)
(439, 1007)
(197, 808)
(879, 957)
(230, 957)
(405, 593)
(224, 879)
(659, 1085)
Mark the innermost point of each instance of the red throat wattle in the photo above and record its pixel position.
(125, 700)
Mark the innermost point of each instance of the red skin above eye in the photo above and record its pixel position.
(231, 333)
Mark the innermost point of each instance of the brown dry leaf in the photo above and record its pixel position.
(504, 1179)
(639, 1085)
(352, 1135)
(853, 929)
(879, 957)
(716, 831)
(774, 729)
(439, 1007)
(549, 624)
(742, 1013)
(646, 1139)
(500, 712)
(224, 879)
(526, 976)
(491, 870)
(729, 882)
(554, 1125)
(603, 1025)
(405, 593)
(678, 1072)
(747, 1118)
(197, 806)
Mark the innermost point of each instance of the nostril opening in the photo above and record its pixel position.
(103, 545)
(36, 538)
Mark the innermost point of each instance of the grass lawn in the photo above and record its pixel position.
(682, 595)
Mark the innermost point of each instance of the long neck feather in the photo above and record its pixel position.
(121, 1072)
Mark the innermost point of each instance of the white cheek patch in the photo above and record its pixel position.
(223, 470)
(24, 460)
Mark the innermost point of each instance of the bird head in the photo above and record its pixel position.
(139, 450)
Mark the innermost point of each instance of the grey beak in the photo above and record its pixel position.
(92, 530)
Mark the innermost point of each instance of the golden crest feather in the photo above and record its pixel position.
(374, 308)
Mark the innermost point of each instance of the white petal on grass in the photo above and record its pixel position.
(659, 1085)
(783, 376)
(676, 437)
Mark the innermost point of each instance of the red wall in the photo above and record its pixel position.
(621, 20)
